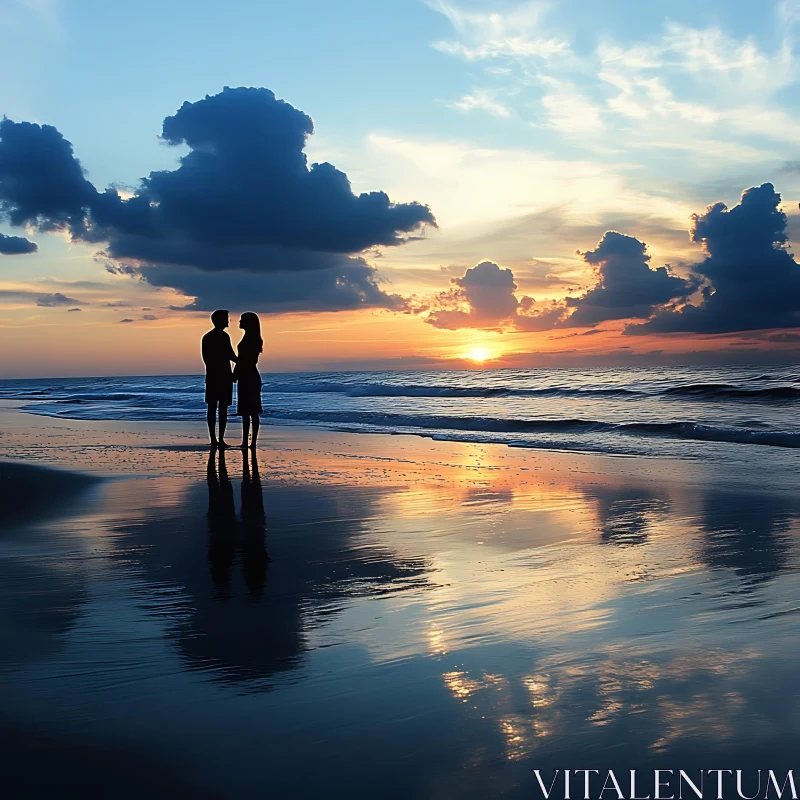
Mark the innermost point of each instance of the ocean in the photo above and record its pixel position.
(666, 411)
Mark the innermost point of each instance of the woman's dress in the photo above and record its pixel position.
(248, 396)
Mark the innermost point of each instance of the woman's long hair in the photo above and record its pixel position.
(252, 329)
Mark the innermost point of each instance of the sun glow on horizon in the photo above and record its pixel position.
(478, 354)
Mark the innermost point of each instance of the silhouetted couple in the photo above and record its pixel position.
(217, 356)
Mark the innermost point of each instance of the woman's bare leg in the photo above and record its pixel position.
(256, 425)
(245, 429)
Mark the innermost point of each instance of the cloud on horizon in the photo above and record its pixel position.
(484, 297)
(627, 286)
(28, 297)
(243, 199)
(55, 299)
(751, 280)
(16, 245)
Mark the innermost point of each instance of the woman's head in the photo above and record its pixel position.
(251, 326)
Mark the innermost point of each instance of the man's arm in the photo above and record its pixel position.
(204, 350)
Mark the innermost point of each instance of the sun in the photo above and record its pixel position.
(478, 354)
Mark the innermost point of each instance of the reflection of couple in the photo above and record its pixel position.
(217, 355)
(226, 532)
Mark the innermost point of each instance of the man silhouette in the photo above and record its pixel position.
(217, 356)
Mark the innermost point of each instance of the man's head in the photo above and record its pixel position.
(219, 319)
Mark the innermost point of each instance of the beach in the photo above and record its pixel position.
(385, 614)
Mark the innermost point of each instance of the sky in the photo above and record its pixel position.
(398, 184)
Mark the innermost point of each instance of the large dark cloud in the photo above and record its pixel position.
(627, 286)
(16, 245)
(484, 297)
(752, 282)
(41, 182)
(242, 199)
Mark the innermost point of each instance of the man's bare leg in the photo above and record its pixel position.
(223, 422)
(211, 419)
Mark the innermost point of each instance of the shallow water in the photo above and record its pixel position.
(440, 632)
(668, 411)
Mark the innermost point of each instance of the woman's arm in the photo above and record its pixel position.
(231, 355)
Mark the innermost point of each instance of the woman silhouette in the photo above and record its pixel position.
(246, 372)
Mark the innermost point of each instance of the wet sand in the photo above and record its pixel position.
(351, 614)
